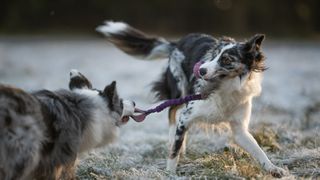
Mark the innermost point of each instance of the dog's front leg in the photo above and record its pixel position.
(178, 139)
(243, 138)
(248, 143)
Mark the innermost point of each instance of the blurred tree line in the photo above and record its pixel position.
(298, 18)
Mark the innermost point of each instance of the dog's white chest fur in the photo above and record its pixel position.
(228, 99)
(102, 130)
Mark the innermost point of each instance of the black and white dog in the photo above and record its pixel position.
(41, 133)
(227, 73)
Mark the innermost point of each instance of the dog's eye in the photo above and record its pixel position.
(226, 61)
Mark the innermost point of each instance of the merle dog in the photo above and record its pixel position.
(41, 133)
(227, 73)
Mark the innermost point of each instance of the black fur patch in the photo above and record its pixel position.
(180, 132)
(166, 87)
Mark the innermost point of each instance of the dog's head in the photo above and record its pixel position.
(120, 109)
(232, 60)
(124, 108)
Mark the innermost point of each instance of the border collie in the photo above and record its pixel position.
(227, 73)
(41, 133)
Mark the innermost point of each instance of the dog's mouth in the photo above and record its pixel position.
(196, 69)
(196, 72)
(137, 116)
(125, 119)
(216, 78)
(140, 116)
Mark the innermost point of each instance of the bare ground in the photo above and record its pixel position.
(286, 118)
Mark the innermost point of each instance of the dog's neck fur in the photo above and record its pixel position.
(103, 129)
(239, 91)
(230, 97)
(248, 86)
(88, 108)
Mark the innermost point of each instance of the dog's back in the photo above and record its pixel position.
(21, 133)
(40, 132)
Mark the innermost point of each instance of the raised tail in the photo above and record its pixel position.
(135, 42)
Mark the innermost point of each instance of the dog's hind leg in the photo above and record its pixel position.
(68, 171)
(21, 136)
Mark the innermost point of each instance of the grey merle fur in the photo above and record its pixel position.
(41, 132)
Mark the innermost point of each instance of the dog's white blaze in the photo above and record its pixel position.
(112, 27)
(211, 65)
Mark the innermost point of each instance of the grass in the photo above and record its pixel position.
(301, 157)
(267, 138)
(226, 163)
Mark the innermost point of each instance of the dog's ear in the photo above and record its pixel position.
(254, 58)
(111, 93)
(254, 43)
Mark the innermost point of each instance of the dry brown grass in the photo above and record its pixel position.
(229, 162)
(267, 138)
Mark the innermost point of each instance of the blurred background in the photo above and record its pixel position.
(285, 18)
(41, 40)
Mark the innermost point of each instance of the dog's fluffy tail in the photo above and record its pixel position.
(135, 42)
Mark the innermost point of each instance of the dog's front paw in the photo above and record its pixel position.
(277, 171)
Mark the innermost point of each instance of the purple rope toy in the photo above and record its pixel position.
(162, 106)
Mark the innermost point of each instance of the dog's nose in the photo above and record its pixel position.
(202, 71)
(134, 103)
